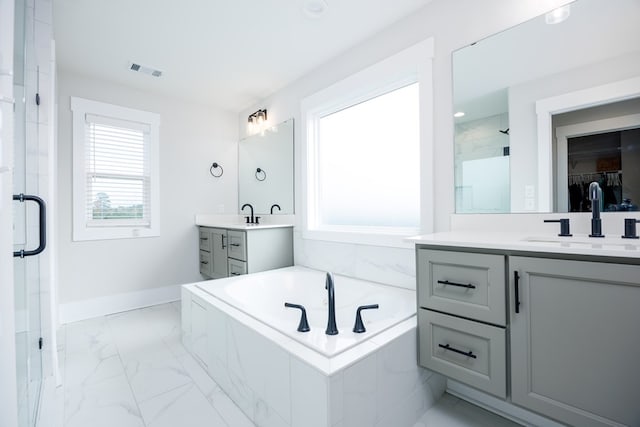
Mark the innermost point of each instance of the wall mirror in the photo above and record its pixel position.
(265, 170)
(528, 100)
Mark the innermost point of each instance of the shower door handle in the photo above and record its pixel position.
(42, 210)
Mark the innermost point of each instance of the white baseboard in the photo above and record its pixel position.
(501, 407)
(102, 306)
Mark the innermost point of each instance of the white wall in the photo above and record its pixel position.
(192, 137)
(453, 24)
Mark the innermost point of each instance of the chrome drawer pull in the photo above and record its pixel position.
(461, 285)
(455, 350)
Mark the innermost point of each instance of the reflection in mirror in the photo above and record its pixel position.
(506, 155)
(599, 144)
(265, 170)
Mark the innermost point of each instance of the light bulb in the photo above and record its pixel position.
(558, 15)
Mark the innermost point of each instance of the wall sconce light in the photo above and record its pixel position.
(257, 122)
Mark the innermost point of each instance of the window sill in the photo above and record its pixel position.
(374, 237)
(114, 233)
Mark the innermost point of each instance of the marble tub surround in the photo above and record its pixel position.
(391, 266)
(277, 381)
(237, 222)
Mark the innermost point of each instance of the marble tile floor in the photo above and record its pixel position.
(131, 370)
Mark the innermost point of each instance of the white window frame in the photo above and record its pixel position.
(81, 231)
(411, 65)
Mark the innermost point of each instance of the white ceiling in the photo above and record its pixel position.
(225, 53)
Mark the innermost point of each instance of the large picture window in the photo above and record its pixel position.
(115, 152)
(368, 158)
(368, 153)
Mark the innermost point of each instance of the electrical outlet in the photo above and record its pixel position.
(529, 191)
(529, 204)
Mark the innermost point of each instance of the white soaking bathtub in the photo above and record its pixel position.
(263, 298)
(240, 331)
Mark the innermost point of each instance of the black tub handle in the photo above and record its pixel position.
(42, 210)
(358, 327)
(303, 326)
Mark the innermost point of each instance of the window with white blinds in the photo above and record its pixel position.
(115, 171)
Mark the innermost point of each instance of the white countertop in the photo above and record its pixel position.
(578, 244)
(242, 227)
(236, 222)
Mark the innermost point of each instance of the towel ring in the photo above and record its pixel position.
(261, 175)
(216, 166)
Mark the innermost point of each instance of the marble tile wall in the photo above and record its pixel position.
(391, 266)
(273, 387)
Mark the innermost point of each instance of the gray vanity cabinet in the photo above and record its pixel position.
(462, 317)
(575, 340)
(213, 252)
(219, 253)
(232, 252)
(564, 334)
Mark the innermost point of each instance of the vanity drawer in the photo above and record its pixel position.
(205, 263)
(237, 245)
(237, 268)
(444, 339)
(462, 283)
(205, 240)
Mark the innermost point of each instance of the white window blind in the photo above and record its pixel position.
(117, 173)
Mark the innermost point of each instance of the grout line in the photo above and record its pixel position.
(210, 402)
(124, 368)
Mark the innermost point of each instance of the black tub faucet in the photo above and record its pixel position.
(275, 205)
(595, 194)
(358, 327)
(303, 326)
(250, 219)
(332, 329)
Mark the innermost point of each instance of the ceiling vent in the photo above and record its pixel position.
(144, 69)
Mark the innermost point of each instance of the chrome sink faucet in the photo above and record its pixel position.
(595, 195)
(332, 329)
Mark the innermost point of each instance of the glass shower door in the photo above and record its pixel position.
(26, 221)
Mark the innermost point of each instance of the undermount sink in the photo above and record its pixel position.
(584, 242)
